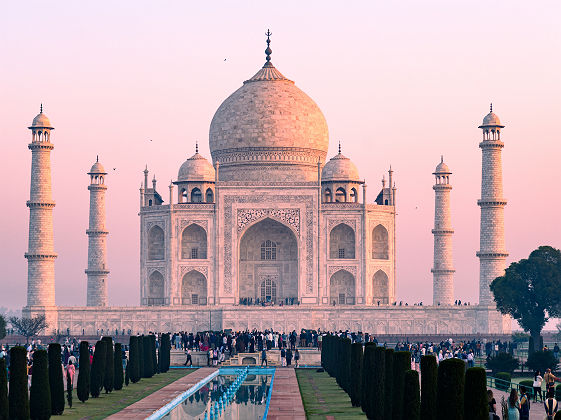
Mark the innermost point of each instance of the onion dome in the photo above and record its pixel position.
(41, 121)
(491, 120)
(340, 168)
(442, 168)
(97, 168)
(196, 168)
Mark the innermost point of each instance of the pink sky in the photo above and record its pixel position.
(399, 83)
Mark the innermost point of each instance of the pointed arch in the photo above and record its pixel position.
(380, 287)
(327, 198)
(209, 195)
(196, 195)
(156, 246)
(342, 288)
(194, 243)
(342, 242)
(194, 288)
(354, 195)
(155, 290)
(380, 247)
(340, 195)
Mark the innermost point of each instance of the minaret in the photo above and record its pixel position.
(443, 270)
(97, 234)
(492, 254)
(41, 255)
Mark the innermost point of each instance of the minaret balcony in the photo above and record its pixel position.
(43, 204)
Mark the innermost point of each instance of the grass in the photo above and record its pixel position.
(322, 396)
(107, 404)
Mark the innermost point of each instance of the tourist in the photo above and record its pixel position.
(283, 357)
(492, 406)
(513, 405)
(296, 357)
(70, 371)
(537, 385)
(189, 358)
(549, 379)
(550, 405)
(288, 357)
(524, 404)
(264, 357)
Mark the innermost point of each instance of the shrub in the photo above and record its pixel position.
(356, 374)
(141, 356)
(18, 397)
(127, 374)
(154, 357)
(148, 368)
(558, 392)
(557, 416)
(40, 392)
(109, 372)
(502, 362)
(68, 389)
(388, 396)
(401, 364)
(118, 367)
(368, 370)
(134, 359)
(503, 377)
(3, 390)
(429, 374)
(542, 360)
(476, 405)
(377, 385)
(450, 394)
(55, 380)
(98, 369)
(411, 396)
(83, 386)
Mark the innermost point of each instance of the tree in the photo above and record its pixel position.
(476, 405)
(356, 373)
(377, 394)
(40, 392)
(55, 379)
(98, 369)
(154, 357)
(529, 290)
(368, 369)
(134, 359)
(148, 368)
(502, 362)
(411, 396)
(2, 327)
(83, 387)
(18, 396)
(542, 360)
(29, 327)
(450, 395)
(141, 363)
(429, 374)
(109, 374)
(68, 389)
(3, 391)
(401, 364)
(118, 367)
(388, 403)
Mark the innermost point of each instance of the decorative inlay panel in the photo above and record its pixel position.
(184, 269)
(160, 223)
(334, 268)
(331, 223)
(287, 216)
(183, 223)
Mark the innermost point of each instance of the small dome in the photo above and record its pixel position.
(41, 121)
(442, 168)
(340, 168)
(97, 168)
(491, 120)
(196, 168)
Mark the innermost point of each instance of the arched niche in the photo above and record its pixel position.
(156, 245)
(342, 288)
(380, 243)
(194, 288)
(342, 242)
(194, 243)
(380, 288)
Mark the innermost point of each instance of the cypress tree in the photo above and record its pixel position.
(368, 369)
(388, 400)
(18, 397)
(356, 373)
(167, 355)
(134, 356)
(450, 393)
(377, 393)
(55, 379)
(118, 367)
(68, 389)
(141, 363)
(3, 391)
(83, 386)
(475, 395)
(401, 364)
(40, 391)
(98, 369)
(428, 387)
(109, 374)
(346, 365)
(148, 368)
(412, 397)
(127, 373)
(154, 357)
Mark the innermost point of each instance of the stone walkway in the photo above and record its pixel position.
(286, 402)
(146, 406)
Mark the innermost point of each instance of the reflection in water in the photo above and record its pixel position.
(247, 404)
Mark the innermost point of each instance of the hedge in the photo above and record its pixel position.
(141, 355)
(401, 364)
(476, 405)
(154, 357)
(134, 359)
(412, 397)
(377, 394)
(368, 370)
(3, 390)
(558, 392)
(98, 369)
(165, 348)
(118, 367)
(450, 394)
(83, 386)
(388, 395)
(55, 379)
(68, 389)
(40, 391)
(18, 397)
(109, 374)
(503, 376)
(356, 373)
(429, 375)
(148, 367)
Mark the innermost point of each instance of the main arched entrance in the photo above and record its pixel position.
(268, 264)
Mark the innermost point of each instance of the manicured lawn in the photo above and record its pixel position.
(322, 396)
(107, 404)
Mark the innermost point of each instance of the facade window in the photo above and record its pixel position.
(268, 290)
(268, 250)
(194, 253)
(341, 252)
(341, 298)
(194, 299)
(196, 196)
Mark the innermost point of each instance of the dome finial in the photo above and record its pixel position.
(96, 158)
(491, 107)
(41, 109)
(196, 146)
(339, 146)
(268, 51)
(441, 158)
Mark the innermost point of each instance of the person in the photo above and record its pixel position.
(283, 357)
(492, 402)
(288, 357)
(513, 405)
(524, 404)
(189, 358)
(550, 405)
(549, 379)
(70, 371)
(296, 357)
(264, 357)
(537, 385)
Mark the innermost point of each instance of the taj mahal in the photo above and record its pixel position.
(268, 232)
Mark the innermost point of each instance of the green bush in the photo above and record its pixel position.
(388, 395)
(55, 379)
(83, 386)
(368, 370)
(502, 362)
(3, 391)
(450, 394)
(109, 374)
(401, 364)
(502, 376)
(377, 385)
(40, 392)
(154, 357)
(476, 405)
(429, 374)
(134, 359)
(118, 367)
(356, 374)
(98, 369)
(68, 389)
(557, 416)
(127, 378)
(542, 360)
(411, 396)
(18, 397)
(148, 368)
(141, 363)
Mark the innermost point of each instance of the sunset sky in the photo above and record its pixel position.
(399, 83)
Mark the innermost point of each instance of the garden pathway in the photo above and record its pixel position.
(286, 402)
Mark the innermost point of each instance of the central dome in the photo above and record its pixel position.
(268, 130)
